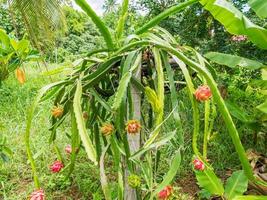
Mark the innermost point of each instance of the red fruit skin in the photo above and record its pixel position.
(56, 166)
(169, 189)
(68, 149)
(165, 193)
(198, 165)
(37, 195)
(203, 93)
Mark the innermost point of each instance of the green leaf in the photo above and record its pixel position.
(103, 178)
(75, 143)
(123, 16)
(7, 151)
(156, 20)
(153, 99)
(102, 70)
(209, 181)
(233, 61)
(23, 46)
(4, 39)
(236, 185)
(174, 100)
(191, 90)
(152, 137)
(120, 183)
(97, 21)
(115, 148)
(57, 70)
(146, 169)
(124, 82)
(262, 84)
(160, 97)
(136, 83)
(235, 22)
(101, 100)
(250, 197)
(260, 7)
(263, 107)
(264, 74)
(219, 102)
(238, 113)
(14, 44)
(160, 142)
(87, 143)
(174, 167)
(123, 85)
(30, 115)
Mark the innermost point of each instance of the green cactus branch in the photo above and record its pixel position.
(221, 105)
(97, 21)
(123, 17)
(206, 128)
(156, 20)
(191, 90)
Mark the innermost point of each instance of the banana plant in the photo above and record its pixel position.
(115, 99)
(234, 188)
(13, 54)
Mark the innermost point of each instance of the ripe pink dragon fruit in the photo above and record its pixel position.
(198, 165)
(56, 166)
(37, 195)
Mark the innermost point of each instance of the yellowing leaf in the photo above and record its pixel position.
(153, 99)
(20, 74)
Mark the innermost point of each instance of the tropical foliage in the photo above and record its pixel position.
(141, 63)
(123, 97)
(13, 54)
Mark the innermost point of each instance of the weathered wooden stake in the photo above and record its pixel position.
(134, 139)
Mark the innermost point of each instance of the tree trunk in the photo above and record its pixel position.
(134, 139)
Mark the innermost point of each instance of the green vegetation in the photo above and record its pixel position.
(131, 106)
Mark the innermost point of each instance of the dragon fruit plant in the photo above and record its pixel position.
(119, 85)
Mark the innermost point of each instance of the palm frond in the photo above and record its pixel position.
(43, 19)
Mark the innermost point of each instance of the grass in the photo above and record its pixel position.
(15, 175)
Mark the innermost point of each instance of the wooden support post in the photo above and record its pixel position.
(134, 139)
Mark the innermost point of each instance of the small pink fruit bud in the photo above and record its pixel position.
(56, 166)
(198, 165)
(203, 93)
(68, 149)
(37, 195)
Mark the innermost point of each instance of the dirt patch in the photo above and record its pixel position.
(73, 193)
(188, 185)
